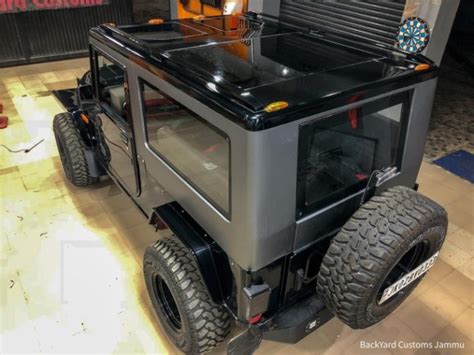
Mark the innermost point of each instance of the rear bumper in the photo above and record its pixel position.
(287, 326)
(293, 324)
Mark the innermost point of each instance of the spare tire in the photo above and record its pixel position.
(390, 236)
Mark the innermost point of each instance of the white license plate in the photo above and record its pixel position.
(408, 278)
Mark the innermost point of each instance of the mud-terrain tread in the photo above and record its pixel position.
(86, 78)
(74, 147)
(209, 322)
(359, 252)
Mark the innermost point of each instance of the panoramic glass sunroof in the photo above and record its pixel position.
(265, 60)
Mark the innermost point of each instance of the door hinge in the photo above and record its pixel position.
(384, 175)
(376, 179)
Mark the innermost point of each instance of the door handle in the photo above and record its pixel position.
(124, 137)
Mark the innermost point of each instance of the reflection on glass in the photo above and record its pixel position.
(338, 153)
(196, 150)
(111, 85)
(167, 31)
(258, 61)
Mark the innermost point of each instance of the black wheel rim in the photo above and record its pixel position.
(167, 304)
(414, 257)
(64, 159)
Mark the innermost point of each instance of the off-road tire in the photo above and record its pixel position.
(72, 150)
(204, 324)
(86, 78)
(369, 246)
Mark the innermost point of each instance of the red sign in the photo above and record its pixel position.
(33, 5)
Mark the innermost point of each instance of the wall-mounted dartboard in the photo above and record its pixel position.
(414, 35)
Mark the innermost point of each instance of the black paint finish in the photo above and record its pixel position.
(212, 261)
(241, 64)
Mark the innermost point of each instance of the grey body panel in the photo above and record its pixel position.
(262, 226)
(252, 225)
(312, 227)
(155, 194)
(121, 159)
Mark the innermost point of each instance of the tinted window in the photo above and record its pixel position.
(338, 153)
(196, 150)
(111, 85)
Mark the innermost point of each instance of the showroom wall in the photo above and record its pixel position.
(143, 10)
(33, 31)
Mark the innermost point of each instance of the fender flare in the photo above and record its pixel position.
(211, 259)
(87, 131)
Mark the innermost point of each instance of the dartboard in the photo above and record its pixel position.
(413, 35)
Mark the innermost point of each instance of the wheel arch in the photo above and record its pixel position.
(212, 261)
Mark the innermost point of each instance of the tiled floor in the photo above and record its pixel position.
(70, 258)
(452, 122)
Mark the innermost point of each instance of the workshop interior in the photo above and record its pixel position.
(237, 176)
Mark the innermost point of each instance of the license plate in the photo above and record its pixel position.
(408, 278)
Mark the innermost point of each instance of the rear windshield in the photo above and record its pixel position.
(338, 153)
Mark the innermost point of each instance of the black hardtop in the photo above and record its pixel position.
(244, 63)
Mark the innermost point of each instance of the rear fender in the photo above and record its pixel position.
(211, 259)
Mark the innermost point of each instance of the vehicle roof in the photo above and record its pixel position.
(244, 63)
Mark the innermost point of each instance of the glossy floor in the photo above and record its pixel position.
(70, 258)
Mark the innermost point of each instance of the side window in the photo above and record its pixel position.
(111, 85)
(197, 151)
(337, 154)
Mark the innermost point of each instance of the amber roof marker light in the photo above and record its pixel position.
(155, 21)
(276, 106)
(421, 67)
(84, 118)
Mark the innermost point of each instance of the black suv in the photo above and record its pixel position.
(283, 159)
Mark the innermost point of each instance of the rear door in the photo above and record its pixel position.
(116, 145)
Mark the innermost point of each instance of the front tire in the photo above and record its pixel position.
(72, 150)
(384, 240)
(86, 78)
(181, 301)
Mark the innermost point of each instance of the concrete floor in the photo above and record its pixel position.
(70, 258)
